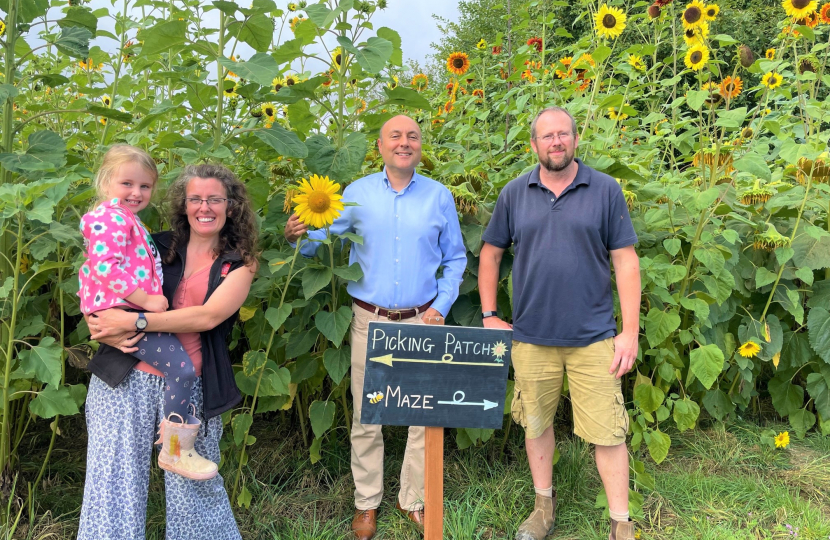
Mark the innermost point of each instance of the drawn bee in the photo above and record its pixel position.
(374, 397)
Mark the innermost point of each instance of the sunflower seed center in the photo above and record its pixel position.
(457, 63)
(696, 57)
(800, 4)
(609, 21)
(692, 15)
(319, 202)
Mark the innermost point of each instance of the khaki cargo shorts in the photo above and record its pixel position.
(598, 406)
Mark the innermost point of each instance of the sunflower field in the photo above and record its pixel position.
(721, 149)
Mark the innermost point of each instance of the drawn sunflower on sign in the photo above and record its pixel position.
(610, 21)
(318, 203)
(458, 63)
(499, 350)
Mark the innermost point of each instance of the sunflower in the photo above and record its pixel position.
(731, 88)
(393, 83)
(448, 106)
(696, 35)
(614, 115)
(711, 12)
(696, 57)
(749, 349)
(2, 27)
(291, 80)
(292, 6)
(567, 61)
(535, 42)
(230, 91)
(714, 98)
(277, 83)
(103, 121)
(362, 107)
(810, 20)
(497, 49)
(295, 21)
(636, 62)
(693, 15)
(269, 111)
(450, 86)
(804, 65)
(527, 74)
(337, 58)
(782, 440)
(106, 100)
(610, 21)
(798, 9)
(481, 45)
(824, 14)
(770, 54)
(653, 11)
(458, 63)
(420, 81)
(318, 203)
(586, 84)
(478, 92)
(771, 80)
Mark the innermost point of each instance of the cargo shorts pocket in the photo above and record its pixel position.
(516, 408)
(620, 416)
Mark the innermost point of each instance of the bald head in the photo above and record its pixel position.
(400, 145)
(400, 122)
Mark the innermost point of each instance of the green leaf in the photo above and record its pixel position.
(672, 245)
(340, 164)
(601, 53)
(288, 51)
(801, 421)
(28, 10)
(163, 37)
(334, 325)
(658, 446)
(353, 272)
(74, 41)
(43, 360)
(337, 362)
(786, 396)
(763, 277)
(314, 451)
(685, 413)
(718, 404)
(261, 68)
(706, 363)
(660, 325)
(818, 324)
(285, 142)
(395, 39)
(79, 16)
(818, 385)
(321, 414)
(784, 254)
(732, 119)
(301, 343)
(373, 56)
(696, 98)
(53, 401)
(301, 118)
(7, 91)
(106, 112)
(321, 15)
(315, 279)
(812, 253)
(243, 500)
(406, 97)
(805, 274)
(241, 423)
(753, 163)
(253, 362)
(277, 316)
(228, 8)
(257, 31)
(648, 397)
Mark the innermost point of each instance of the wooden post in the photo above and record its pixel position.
(434, 484)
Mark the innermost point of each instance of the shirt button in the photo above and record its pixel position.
(396, 238)
(396, 305)
(396, 283)
(553, 200)
(396, 260)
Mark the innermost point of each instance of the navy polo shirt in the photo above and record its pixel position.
(561, 270)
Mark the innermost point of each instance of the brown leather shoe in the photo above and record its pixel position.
(365, 524)
(416, 516)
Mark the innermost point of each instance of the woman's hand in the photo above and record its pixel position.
(99, 326)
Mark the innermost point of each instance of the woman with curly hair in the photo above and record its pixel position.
(208, 263)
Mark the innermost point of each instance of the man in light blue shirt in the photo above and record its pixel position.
(410, 229)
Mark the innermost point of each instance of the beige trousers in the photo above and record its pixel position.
(367, 440)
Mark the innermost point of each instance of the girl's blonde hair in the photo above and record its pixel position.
(116, 156)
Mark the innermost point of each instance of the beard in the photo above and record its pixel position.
(552, 165)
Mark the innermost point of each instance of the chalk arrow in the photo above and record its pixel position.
(484, 403)
(388, 360)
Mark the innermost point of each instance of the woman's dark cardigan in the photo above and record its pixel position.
(218, 384)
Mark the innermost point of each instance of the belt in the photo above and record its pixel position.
(392, 314)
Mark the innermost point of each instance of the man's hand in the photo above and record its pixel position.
(124, 340)
(294, 229)
(625, 353)
(433, 316)
(495, 322)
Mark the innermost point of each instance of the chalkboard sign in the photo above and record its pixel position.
(440, 376)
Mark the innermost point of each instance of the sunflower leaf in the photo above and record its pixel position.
(373, 56)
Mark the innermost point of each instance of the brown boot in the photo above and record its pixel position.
(415, 516)
(540, 522)
(365, 524)
(621, 530)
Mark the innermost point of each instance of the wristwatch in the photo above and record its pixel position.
(141, 322)
(489, 314)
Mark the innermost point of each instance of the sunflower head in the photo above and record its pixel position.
(696, 35)
(749, 349)
(337, 58)
(277, 83)
(497, 49)
(610, 21)
(747, 133)
(291, 80)
(696, 57)
(636, 62)
(106, 100)
(653, 11)
(730, 87)
(745, 56)
(362, 107)
(693, 15)
(771, 80)
(2, 27)
(478, 92)
(458, 63)
(269, 110)
(295, 21)
(393, 83)
(798, 9)
(448, 106)
(420, 81)
(782, 440)
(810, 20)
(824, 14)
(536, 43)
(481, 45)
(318, 203)
(710, 12)
(292, 7)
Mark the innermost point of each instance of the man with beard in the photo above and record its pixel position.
(564, 221)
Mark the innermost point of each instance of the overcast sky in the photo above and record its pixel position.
(411, 19)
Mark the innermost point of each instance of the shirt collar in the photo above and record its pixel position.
(386, 184)
(583, 175)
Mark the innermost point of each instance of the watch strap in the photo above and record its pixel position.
(489, 314)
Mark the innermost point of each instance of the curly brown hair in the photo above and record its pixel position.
(240, 231)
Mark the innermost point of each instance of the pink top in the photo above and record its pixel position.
(120, 258)
(191, 292)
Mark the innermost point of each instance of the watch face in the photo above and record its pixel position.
(141, 323)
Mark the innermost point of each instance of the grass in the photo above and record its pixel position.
(718, 483)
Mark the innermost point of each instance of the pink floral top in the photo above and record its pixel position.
(121, 257)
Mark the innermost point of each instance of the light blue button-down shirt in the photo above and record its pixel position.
(407, 236)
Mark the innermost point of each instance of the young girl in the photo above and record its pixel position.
(123, 270)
